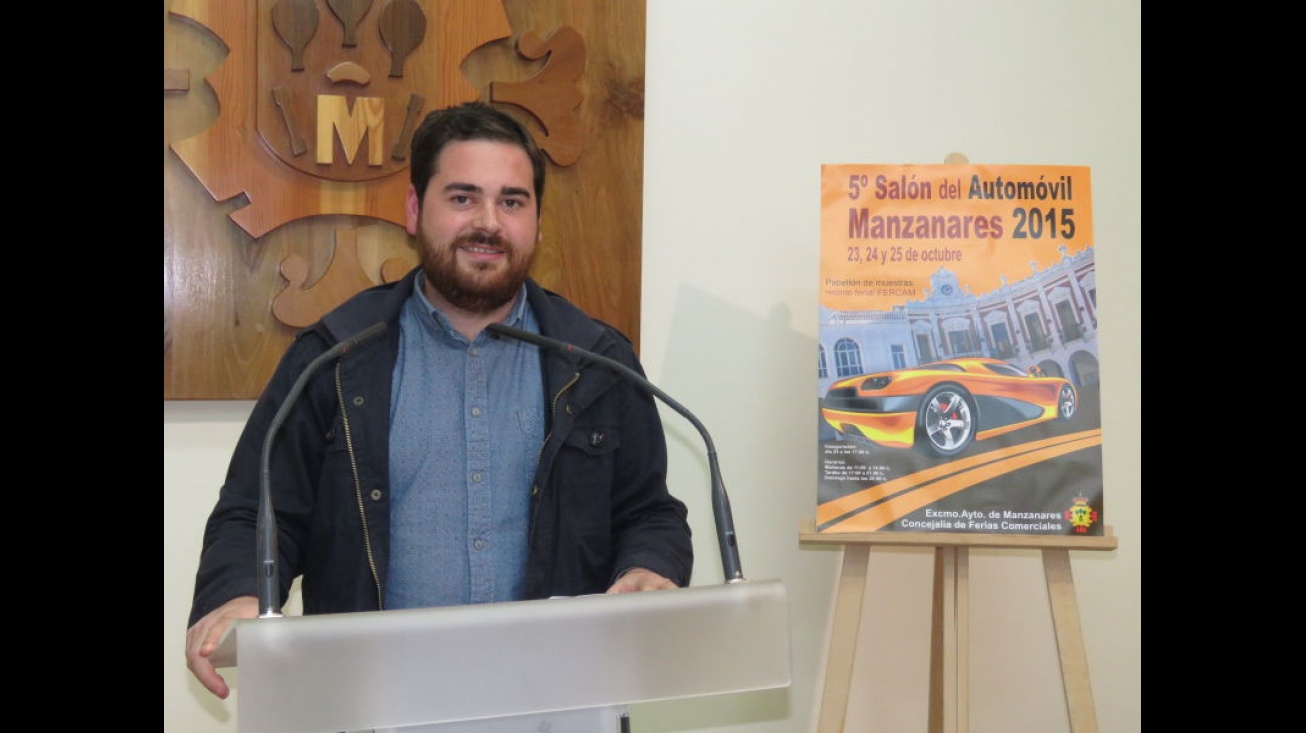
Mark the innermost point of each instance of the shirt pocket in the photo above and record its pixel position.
(531, 423)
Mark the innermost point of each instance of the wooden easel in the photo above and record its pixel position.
(950, 634)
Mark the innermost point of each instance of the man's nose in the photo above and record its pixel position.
(487, 217)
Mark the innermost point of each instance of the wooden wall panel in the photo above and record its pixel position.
(254, 249)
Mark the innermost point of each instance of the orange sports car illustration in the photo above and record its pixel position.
(944, 406)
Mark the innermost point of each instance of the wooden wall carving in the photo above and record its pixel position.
(286, 125)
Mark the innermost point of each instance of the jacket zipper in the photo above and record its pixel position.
(358, 491)
(553, 412)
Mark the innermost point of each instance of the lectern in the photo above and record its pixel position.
(470, 666)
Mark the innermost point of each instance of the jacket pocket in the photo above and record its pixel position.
(595, 441)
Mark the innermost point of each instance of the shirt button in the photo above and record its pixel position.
(476, 477)
(478, 544)
(596, 439)
(476, 412)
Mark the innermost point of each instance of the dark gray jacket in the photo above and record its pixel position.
(599, 502)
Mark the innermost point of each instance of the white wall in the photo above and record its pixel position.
(745, 100)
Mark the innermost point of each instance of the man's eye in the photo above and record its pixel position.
(460, 199)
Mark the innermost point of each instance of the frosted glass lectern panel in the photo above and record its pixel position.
(333, 672)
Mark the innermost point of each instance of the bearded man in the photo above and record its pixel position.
(436, 465)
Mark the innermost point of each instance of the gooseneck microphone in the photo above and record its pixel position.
(269, 594)
(725, 523)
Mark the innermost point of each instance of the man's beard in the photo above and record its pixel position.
(479, 290)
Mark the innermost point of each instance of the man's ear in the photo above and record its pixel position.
(413, 209)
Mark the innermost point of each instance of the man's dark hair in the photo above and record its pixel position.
(470, 121)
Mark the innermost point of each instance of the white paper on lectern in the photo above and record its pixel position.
(585, 720)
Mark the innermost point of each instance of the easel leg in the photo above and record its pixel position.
(1070, 641)
(843, 638)
(949, 704)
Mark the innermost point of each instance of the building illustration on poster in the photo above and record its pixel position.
(958, 386)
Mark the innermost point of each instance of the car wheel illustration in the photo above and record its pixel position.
(947, 420)
(1067, 402)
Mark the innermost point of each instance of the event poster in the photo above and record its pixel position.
(958, 373)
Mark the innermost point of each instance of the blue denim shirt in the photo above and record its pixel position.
(467, 423)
